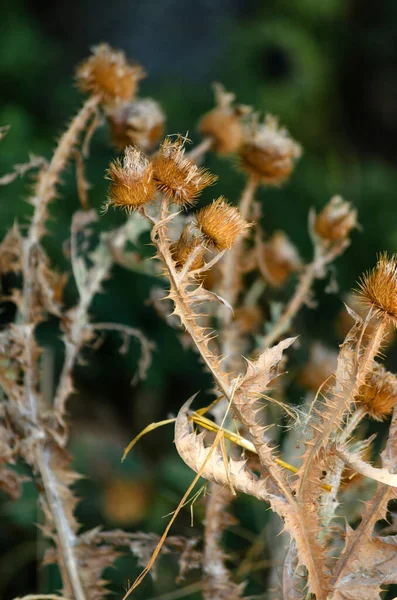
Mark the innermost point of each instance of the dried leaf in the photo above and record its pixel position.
(263, 370)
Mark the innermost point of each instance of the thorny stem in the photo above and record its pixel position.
(216, 575)
(373, 512)
(44, 193)
(220, 498)
(159, 238)
(312, 271)
(344, 401)
(66, 536)
(209, 359)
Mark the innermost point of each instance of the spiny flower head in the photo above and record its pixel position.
(177, 176)
(269, 153)
(378, 287)
(223, 123)
(132, 183)
(336, 220)
(378, 394)
(220, 224)
(108, 73)
(279, 258)
(138, 123)
(184, 246)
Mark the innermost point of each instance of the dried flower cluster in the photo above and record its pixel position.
(139, 123)
(220, 224)
(177, 177)
(378, 288)
(336, 220)
(238, 327)
(268, 152)
(223, 123)
(133, 183)
(378, 394)
(108, 74)
(279, 258)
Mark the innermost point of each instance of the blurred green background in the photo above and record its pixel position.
(329, 70)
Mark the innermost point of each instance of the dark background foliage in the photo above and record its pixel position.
(329, 70)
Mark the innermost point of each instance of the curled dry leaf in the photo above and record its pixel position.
(191, 449)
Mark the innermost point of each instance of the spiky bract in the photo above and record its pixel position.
(177, 177)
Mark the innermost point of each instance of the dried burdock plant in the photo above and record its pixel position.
(323, 554)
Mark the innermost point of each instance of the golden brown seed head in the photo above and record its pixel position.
(223, 124)
(336, 220)
(139, 123)
(177, 176)
(184, 246)
(220, 224)
(269, 153)
(132, 183)
(108, 73)
(378, 287)
(280, 258)
(379, 393)
(345, 321)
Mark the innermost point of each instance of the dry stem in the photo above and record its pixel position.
(312, 271)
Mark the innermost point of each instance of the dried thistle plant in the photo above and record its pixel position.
(238, 451)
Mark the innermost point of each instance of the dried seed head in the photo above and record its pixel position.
(139, 123)
(269, 153)
(248, 319)
(132, 180)
(220, 224)
(279, 258)
(336, 220)
(108, 73)
(223, 124)
(378, 287)
(177, 176)
(184, 246)
(320, 367)
(379, 393)
(345, 321)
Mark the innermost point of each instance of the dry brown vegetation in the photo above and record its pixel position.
(208, 257)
